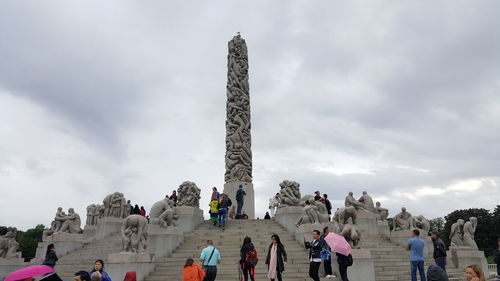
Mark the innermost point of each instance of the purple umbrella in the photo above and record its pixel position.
(29, 271)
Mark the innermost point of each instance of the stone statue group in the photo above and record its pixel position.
(64, 223)
(8, 245)
(462, 234)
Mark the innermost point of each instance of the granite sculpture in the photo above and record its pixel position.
(342, 216)
(92, 214)
(313, 212)
(67, 223)
(367, 202)
(403, 220)
(352, 234)
(381, 213)
(8, 245)
(134, 233)
(188, 194)
(115, 205)
(351, 201)
(469, 231)
(289, 194)
(163, 213)
(462, 234)
(457, 234)
(421, 223)
(238, 137)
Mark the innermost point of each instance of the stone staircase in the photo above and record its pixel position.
(84, 258)
(229, 243)
(392, 262)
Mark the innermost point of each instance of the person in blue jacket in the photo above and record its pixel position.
(99, 266)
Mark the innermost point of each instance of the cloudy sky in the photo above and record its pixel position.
(397, 98)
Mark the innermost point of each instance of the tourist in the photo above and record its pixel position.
(344, 262)
(214, 211)
(210, 257)
(416, 247)
(273, 204)
(215, 194)
(130, 276)
(173, 197)
(82, 276)
(317, 197)
(267, 216)
(223, 210)
(439, 250)
(436, 273)
(136, 211)
(314, 254)
(496, 256)
(50, 256)
(143, 211)
(248, 258)
(328, 206)
(327, 258)
(192, 271)
(474, 273)
(99, 266)
(96, 276)
(276, 258)
(240, 199)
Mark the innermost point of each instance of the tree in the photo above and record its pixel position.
(485, 231)
(29, 241)
(437, 224)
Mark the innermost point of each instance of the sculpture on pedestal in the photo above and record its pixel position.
(351, 201)
(134, 233)
(8, 245)
(352, 234)
(289, 194)
(382, 213)
(469, 231)
(367, 202)
(462, 234)
(92, 214)
(238, 138)
(163, 213)
(115, 205)
(313, 212)
(457, 234)
(403, 220)
(188, 194)
(68, 223)
(342, 216)
(421, 223)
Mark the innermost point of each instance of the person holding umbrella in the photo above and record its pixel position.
(326, 254)
(341, 247)
(50, 256)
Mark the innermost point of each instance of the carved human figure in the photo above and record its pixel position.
(8, 245)
(421, 223)
(382, 213)
(457, 234)
(189, 194)
(47, 232)
(289, 193)
(469, 231)
(342, 216)
(114, 205)
(351, 201)
(352, 234)
(90, 218)
(164, 213)
(59, 218)
(367, 202)
(71, 222)
(126, 207)
(134, 233)
(403, 220)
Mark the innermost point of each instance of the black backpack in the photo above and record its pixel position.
(350, 261)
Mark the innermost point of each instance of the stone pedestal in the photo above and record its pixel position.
(120, 263)
(362, 268)
(230, 189)
(64, 242)
(463, 257)
(307, 229)
(401, 238)
(383, 228)
(89, 232)
(189, 218)
(9, 265)
(367, 222)
(163, 241)
(108, 226)
(288, 216)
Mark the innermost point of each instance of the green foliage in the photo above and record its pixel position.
(29, 241)
(3, 230)
(437, 224)
(485, 235)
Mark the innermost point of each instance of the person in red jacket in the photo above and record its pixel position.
(192, 271)
(143, 211)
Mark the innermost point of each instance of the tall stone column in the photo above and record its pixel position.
(238, 137)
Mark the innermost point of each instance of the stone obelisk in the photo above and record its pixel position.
(238, 137)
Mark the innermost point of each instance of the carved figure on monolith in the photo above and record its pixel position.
(134, 233)
(188, 194)
(289, 194)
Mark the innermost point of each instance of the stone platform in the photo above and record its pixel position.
(108, 226)
(288, 216)
(163, 241)
(119, 264)
(189, 218)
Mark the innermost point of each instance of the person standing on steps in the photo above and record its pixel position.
(223, 205)
(276, 258)
(328, 206)
(210, 257)
(439, 250)
(214, 211)
(50, 256)
(240, 199)
(267, 216)
(248, 257)
(416, 247)
(215, 194)
(192, 271)
(99, 266)
(344, 262)
(314, 254)
(173, 197)
(326, 253)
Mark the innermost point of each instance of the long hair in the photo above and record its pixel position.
(49, 248)
(102, 262)
(277, 238)
(189, 262)
(222, 197)
(479, 272)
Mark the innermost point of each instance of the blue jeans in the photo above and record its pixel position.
(239, 207)
(222, 217)
(420, 266)
(441, 262)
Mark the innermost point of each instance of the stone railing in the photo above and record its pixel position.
(492, 268)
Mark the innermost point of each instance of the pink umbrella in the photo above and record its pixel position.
(337, 243)
(29, 271)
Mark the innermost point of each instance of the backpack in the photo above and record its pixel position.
(229, 202)
(350, 261)
(251, 258)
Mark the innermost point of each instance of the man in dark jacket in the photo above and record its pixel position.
(439, 250)
(240, 199)
(314, 254)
